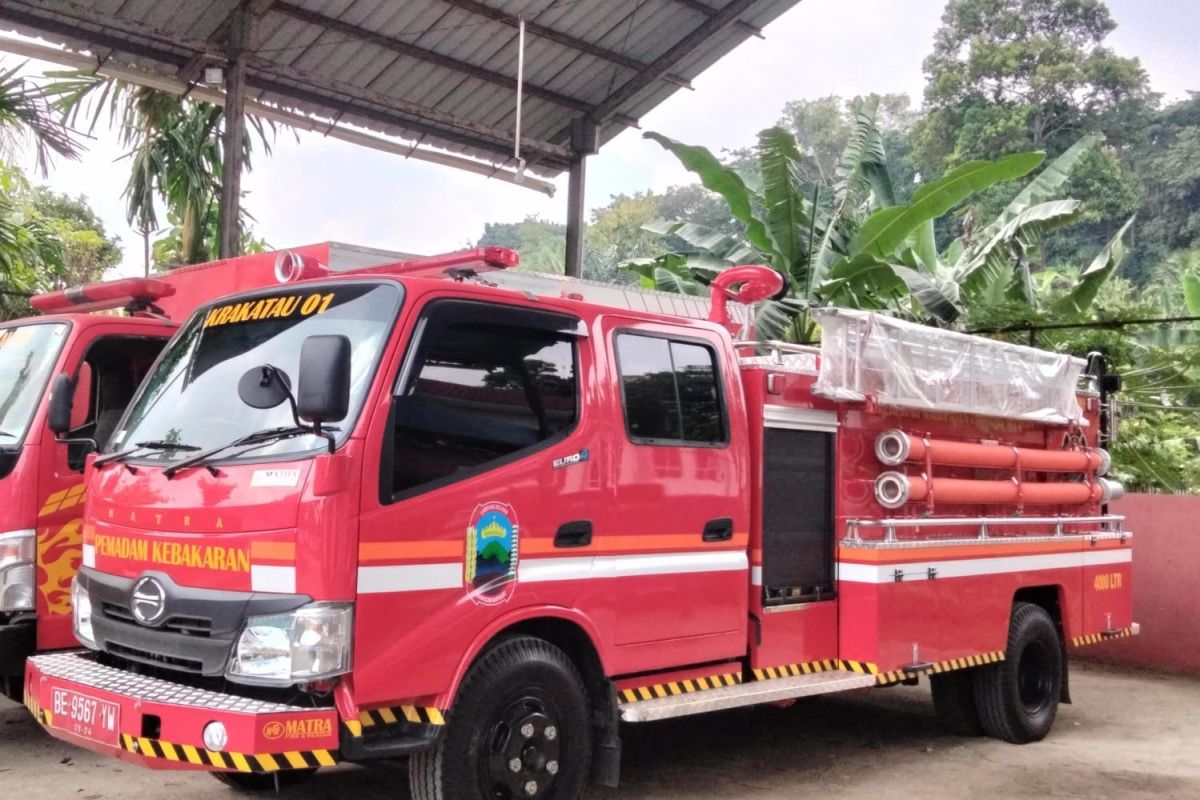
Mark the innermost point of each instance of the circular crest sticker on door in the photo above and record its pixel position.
(492, 553)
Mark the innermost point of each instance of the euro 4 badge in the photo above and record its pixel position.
(492, 553)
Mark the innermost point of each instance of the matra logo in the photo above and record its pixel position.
(299, 729)
(574, 458)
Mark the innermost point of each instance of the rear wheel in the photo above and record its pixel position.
(519, 729)
(954, 699)
(1018, 697)
(263, 782)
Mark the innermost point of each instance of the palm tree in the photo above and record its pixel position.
(174, 151)
(26, 114)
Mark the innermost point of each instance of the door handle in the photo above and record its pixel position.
(718, 530)
(574, 534)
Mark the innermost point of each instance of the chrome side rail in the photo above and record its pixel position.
(1109, 524)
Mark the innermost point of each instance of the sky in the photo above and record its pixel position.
(313, 189)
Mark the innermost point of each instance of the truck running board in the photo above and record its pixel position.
(744, 694)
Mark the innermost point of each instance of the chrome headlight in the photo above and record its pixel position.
(308, 644)
(18, 551)
(81, 608)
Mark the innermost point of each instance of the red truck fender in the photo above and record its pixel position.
(567, 628)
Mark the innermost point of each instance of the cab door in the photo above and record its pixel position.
(678, 528)
(484, 492)
(107, 364)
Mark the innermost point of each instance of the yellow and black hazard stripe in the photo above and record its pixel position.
(397, 715)
(866, 668)
(827, 665)
(808, 668)
(969, 661)
(1097, 638)
(240, 762)
(653, 691)
(35, 708)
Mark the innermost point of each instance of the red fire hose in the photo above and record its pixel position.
(897, 447)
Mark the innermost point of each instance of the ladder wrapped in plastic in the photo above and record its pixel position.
(902, 364)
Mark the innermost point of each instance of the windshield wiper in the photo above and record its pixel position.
(153, 444)
(258, 437)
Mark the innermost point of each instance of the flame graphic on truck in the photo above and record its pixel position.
(59, 554)
(59, 551)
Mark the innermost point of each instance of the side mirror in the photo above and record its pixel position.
(323, 385)
(62, 394)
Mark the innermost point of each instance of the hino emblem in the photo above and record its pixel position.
(148, 601)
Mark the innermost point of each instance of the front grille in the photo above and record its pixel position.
(144, 656)
(186, 625)
(200, 630)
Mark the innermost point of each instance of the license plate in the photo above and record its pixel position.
(87, 717)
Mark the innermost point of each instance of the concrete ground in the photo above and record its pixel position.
(1128, 736)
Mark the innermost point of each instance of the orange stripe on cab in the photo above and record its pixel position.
(399, 551)
(273, 551)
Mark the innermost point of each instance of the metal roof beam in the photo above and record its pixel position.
(558, 37)
(423, 54)
(719, 21)
(271, 76)
(383, 110)
(709, 11)
(292, 119)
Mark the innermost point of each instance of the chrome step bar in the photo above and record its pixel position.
(744, 694)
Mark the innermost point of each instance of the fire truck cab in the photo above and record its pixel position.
(446, 510)
(94, 343)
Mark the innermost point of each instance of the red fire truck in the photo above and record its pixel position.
(103, 357)
(451, 511)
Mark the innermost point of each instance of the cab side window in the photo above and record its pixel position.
(671, 391)
(487, 384)
(118, 364)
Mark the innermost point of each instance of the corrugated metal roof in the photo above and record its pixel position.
(437, 72)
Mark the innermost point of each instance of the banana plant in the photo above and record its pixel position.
(794, 227)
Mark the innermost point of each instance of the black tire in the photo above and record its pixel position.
(263, 782)
(1018, 697)
(523, 703)
(954, 699)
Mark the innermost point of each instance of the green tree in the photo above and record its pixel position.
(26, 115)
(30, 251)
(1009, 76)
(823, 128)
(1167, 161)
(542, 244)
(88, 250)
(1013, 75)
(174, 147)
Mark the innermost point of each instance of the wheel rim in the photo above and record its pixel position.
(1035, 683)
(521, 749)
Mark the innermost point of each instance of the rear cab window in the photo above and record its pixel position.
(670, 390)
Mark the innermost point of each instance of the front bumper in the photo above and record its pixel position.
(18, 640)
(160, 723)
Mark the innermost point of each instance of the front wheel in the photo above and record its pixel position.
(519, 728)
(1018, 697)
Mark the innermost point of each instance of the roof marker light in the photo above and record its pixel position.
(135, 294)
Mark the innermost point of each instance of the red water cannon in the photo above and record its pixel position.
(751, 283)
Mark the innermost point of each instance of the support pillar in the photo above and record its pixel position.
(584, 142)
(233, 138)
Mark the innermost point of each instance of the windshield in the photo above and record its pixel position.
(191, 397)
(27, 356)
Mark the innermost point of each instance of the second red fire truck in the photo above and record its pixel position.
(444, 510)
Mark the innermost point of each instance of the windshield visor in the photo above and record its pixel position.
(191, 397)
(27, 356)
